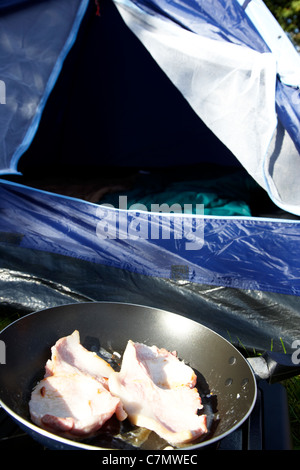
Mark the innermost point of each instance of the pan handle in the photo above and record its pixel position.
(274, 367)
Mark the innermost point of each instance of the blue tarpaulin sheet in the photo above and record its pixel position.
(112, 90)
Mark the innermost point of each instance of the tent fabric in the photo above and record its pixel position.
(123, 130)
(254, 321)
(238, 79)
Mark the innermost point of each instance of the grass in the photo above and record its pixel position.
(292, 387)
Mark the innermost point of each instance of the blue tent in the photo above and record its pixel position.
(149, 153)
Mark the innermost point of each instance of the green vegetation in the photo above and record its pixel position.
(287, 13)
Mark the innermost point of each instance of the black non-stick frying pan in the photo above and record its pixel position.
(226, 381)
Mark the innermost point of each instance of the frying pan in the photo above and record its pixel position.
(226, 381)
